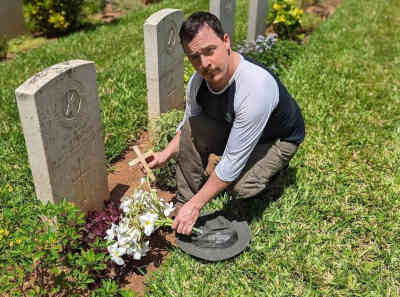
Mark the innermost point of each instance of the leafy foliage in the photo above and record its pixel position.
(286, 18)
(53, 17)
(188, 71)
(93, 6)
(272, 52)
(98, 221)
(164, 130)
(55, 262)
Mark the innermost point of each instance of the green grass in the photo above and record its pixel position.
(335, 230)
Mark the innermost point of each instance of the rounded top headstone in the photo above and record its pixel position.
(41, 79)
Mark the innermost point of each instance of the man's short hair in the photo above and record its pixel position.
(195, 22)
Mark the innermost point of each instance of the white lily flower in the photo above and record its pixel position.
(147, 220)
(123, 226)
(131, 250)
(141, 251)
(125, 205)
(169, 208)
(111, 232)
(116, 253)
(123, 239)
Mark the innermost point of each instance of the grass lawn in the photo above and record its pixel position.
(334, 231)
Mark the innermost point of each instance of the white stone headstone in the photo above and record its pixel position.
(258, 10)
(11, 18)
(225, 11)
(164, 61)
(60, 115)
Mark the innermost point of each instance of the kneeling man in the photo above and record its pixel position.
(236, 109)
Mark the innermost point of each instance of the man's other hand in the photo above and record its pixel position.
(157, 160)
(186, 218)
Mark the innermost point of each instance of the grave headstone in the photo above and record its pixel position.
(11, 18)
(164, 61)
(60, 115)
(225, 11)
(258, 10)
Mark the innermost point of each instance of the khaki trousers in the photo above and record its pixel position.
(202, 136)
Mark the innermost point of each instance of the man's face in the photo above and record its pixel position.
(209, 56)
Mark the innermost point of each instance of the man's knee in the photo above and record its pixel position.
(264, 164)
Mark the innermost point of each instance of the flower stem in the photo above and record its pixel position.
(167, 222)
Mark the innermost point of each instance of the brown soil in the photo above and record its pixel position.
(324, 9)
(108, 15)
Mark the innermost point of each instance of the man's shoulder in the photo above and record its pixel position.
(255, 76)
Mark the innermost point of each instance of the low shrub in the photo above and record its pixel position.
(56, 261)
(53, 17)
(274, 53)
(93, 6)
(3, 47)
(163, 131)
(285, 17)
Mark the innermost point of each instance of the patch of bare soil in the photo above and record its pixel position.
(108, 15)
(323, 9)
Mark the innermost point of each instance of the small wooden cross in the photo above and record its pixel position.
(141, 158)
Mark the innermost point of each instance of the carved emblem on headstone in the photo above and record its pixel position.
(72, 104)
(172, 37)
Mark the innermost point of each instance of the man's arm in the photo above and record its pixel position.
(189, 212)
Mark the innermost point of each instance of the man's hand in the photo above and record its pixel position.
(186, 218)
(157, 160)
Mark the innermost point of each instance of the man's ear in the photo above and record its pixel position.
(227, 41)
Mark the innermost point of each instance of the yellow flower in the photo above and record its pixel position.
(280, 19)
(298, 12)
(277, 6)
(4, 232)
(18, 241)
(11, 244)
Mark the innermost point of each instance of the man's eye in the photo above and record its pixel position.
(209, 51)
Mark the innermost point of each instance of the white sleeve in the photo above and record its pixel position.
(253, 107)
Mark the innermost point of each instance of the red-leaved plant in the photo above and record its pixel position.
(97, 222)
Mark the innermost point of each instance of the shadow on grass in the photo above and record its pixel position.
(249, 209)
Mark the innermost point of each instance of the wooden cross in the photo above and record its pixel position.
(141, 158)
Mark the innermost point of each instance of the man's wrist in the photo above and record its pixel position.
(196, 202)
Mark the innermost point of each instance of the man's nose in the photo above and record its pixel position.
(204, 62)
